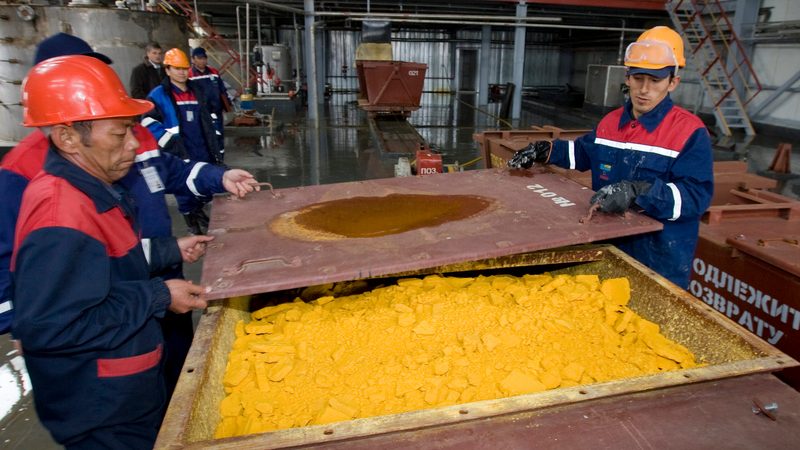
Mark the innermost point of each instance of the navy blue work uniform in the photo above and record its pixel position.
(87, 310)
(668, 147)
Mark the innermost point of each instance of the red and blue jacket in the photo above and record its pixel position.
(196, 181)
(86, 308)
(25, 160)
(182, 123)
(19, 166)
(668, 147)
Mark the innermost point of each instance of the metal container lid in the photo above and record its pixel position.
(526, 211)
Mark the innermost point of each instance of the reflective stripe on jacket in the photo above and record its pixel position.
(668, 147)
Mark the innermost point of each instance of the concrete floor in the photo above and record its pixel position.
(341, 150)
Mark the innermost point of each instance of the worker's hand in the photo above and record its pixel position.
(618, 197)
(535, 152)
(185, 296)
(193, 247)
(239, 182)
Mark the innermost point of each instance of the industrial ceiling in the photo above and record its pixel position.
(571, 22)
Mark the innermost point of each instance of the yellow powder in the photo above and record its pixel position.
(434, 342)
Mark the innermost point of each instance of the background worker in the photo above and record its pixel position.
(207, 79)
(183, 126)
(149, 73)
(154, 175)
(649, 153)
(86, 308)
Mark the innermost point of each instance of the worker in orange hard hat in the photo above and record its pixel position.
(184, 126)
(154, 175)
(650, 154)
(658, 53)
(86, 309)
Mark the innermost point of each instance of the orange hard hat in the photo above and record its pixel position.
(656, 48)
(73, 88)
(176, 58)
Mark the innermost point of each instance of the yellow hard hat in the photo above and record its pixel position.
(656, 48)
(175, 57)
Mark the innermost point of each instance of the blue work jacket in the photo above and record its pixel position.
(168, 123)
(668, 147)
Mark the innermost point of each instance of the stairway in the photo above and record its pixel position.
(720, 60)
(215, 42)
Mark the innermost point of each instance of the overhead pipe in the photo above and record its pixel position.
(500, 24)
(278, 6)
(478, 20)
(434, 16)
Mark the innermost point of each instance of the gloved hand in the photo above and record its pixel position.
(535, 152)
(618, 197)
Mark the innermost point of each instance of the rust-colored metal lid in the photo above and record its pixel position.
(527, 211)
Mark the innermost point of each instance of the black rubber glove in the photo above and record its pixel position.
(618, 197)
(535, 152)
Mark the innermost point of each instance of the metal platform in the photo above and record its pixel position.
(395, 136)
(531, 210)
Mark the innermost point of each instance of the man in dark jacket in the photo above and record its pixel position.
(89, 329)
(148, 74)
(183, 126)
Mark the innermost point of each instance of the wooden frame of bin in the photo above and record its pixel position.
(727, 349)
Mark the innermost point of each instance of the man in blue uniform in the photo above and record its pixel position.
(183, 126)
(649, 154)
(86, 308)
(20, 165)
(208, 80)
(154, 175)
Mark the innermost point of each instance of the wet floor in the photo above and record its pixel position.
(343, 149)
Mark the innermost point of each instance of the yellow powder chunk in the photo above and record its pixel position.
(236, 372)
(323, 300)
(239, 329)
(259, 328)
(407, 319)
(618, 290)
(329, 415)
(572, 371)
(433, 342)
(424, 328)
(441, 366)
(231, 405)
(490, 341)
(517, 383)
